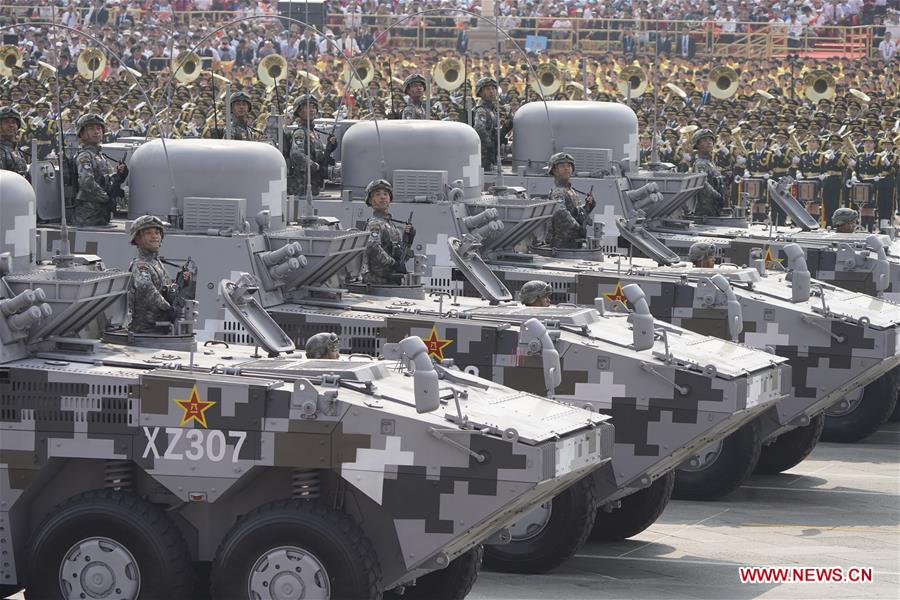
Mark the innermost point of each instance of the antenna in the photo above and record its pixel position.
(497, 62)
(65, 253)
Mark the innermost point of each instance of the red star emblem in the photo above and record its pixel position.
(770, 259)
(436, 345)
(194, 409)
(617, 296)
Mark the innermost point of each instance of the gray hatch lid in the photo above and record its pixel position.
(676, 189)
(573, 316)
(646, 242)
(520, 217)
(464, 254)
(780, 191)
(241, 303)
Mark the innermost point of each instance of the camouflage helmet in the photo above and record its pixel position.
(383, 184)
(533, 290)
(700, 251)
(483, 83)
(305, 99)
(321, 345)
(414, 78)
(9, 112)
(559, 158)
(146, 222)
(843, 216)
(242, 97)
(701, 134)
(89, 119)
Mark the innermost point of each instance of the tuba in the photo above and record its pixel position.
(547, 81)
(448, 74)
(358, 73)
(632, 81)
(10, 58)
(819, 85)
(271, 70)
(187, 67)
(91, 63)
(722, 82)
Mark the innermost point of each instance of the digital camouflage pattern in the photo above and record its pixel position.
(150, 286)
(384, 252)
(97, 186)
(12, 159)
(571, 217)
(313, 157)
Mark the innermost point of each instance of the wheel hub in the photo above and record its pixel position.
(289, 573)
(703, 459)
(99, 567)
(846, 405)
(531, 524)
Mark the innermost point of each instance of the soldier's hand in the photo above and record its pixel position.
(122, 170)
(186, 276)
(589, 200)
(332, 141)
(408, 229)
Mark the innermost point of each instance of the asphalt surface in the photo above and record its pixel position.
(838, 508)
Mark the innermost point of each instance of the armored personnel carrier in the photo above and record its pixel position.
(859, 388)
(308, 284)
(122, 464)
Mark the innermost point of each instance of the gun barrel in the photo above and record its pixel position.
(481, 219)
(274, 257)
(282, 270)
(24, 320)
(17, 304)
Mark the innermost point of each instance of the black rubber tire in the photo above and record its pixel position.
(732, 467)
(144, 529)
(571, 519)
(453, 583)
(791, 448)
(877, 405)
(639, 511)
(333, 537)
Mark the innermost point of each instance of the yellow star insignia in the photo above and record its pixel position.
(770, 259)
(194, 409)
(617, 296)
(436, 345)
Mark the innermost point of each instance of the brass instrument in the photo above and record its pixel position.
(271, 70)
(187, 67)
(676, 90)
(547, 81)
(794, 144)
(575, 91)
(307, 81)
(45, 71)
(860, 95)
(10, 58)
(358, 73)
(722, 82)
(91, 63)
(765, 94)
(847, 144)
(819, 85)
(739, 141)
(448, 74)
(632, 81)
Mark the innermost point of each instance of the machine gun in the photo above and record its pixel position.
(403, 253)
(182, 293)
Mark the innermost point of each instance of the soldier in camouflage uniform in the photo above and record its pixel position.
(240, 117)
(573, 209)
(703, 255)
(323, 345)
(307, 150)
(414, 88)
(845, 220)
(151, 289)
(387, 248)
(97, 187)
(11, 158)
(710, 199)
(535, 293)
(485, 119)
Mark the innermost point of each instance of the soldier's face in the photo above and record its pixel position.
(307, 112)
(846, 227)
(562, 171)
(8, 127)
(240, 109)
(542, 302)
(380, 200)
(708, 262)
(332, 355)
(489, 93)
(92, 134)
(705, 145)
(416, 90)
(149, 239)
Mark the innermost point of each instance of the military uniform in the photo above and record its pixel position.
(414, 111)
(241, 130)
(148, 291)
(484, 119)
(97, 187)
(711, 198)
(299, 159)
(570, 217)
(872, 168)
(832, 186)
(384, 251)
(12, 159)
(760, 164)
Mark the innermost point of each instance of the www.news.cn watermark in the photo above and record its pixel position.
(806, 574)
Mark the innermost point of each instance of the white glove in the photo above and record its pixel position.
(746, 174)
(686, 156)
(821, 176)
(876, 179)
(741, 161)
(851, 162)
(795, 161)
(778, 154)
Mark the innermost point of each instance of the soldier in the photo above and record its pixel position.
(414, 88)
(703, 255)
(11, 158)
(387, 249)
(811, 165)
(97, 187)
(760, 162)
(307, 151)
(151, 290)
(573, 209)
(240, 117)
(323, 345)
(485, 119)
(711, 198)
(845, 220)
(887, 163)
(535, 293)
(832, 186)
(871, 167)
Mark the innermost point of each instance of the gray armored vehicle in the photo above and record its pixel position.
(122, 464)
(677, 391)
(805, 323)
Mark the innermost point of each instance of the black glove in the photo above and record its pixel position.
(409, 237)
